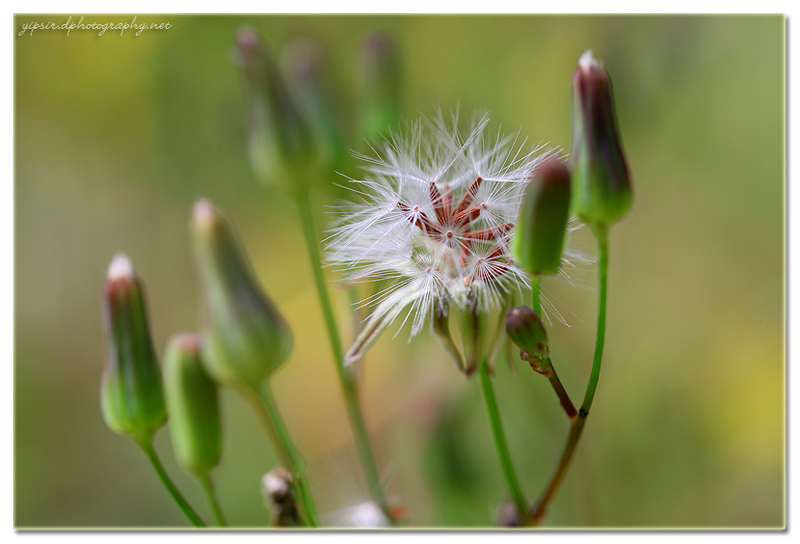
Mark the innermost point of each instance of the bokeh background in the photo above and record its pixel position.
(117, 136)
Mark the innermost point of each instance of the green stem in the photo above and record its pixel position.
(563, 397)
(538, 512)
(347, 379)
(535, 295)
(267, 410)
(493, 413)
(150, 452)
(211, 497)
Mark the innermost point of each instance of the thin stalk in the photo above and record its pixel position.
(538, 512)
(211, 496)
(493, 413)
(535, 295)
(347, 379)
(150, 452)
(563, 397)
(267, 410)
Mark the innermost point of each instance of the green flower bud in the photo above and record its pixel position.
(441, 330)
(193, 404)
(279, 139)
(527, 331)
(538, 240)
(132, 395)
(245, 339)
(475, 325)
(380, 103)
(602, 190)
(304, 66)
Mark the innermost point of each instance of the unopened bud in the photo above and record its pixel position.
(538, 240)
(278, 137)
(380, 104)
(193, 404)
(507, 515)
(474, 323)
(304, 66)
(601, 183)
(245, 339)
(132, 395)
(276, 488)
(527, 331)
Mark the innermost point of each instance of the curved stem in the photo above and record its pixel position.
(150, 452)
(267, 410)
(535, 295)
(493, 413)
(538, 512)
(563, 396)
(211, 496)
(347, 379)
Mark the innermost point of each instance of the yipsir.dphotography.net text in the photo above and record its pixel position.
(101, 27)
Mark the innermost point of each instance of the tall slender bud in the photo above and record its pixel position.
(602, 190)
(279, 139)
(305, 68)
(527, 331)
(380, 103)
(132, 395)
(538, 240)
(245, 339)
(193, 404)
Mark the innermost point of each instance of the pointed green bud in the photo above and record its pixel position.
(538, 240)
(193, 405)
(475, 324)
(601, 183)
(132, 394)
(441, 330)
(279, 139)
(527, 331)
(304, 65)
(380, 103)
(245, 339)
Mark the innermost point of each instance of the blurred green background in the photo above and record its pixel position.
(117, 136)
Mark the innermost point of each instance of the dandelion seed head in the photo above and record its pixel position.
(435, 213)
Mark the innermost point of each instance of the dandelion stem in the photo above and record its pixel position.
(267, 410)
(493, 413)
(150, 452)
(535, 295)
(211, 496)
(563, 396)
(538, 512)
(347, 379)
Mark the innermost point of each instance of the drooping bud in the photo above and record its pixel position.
(527, 331)
(193, 405)
(475, 325)
(538, 240)
(245, 338)
(441, 330)
(601, 183)
(279, 139)
(276, 488)
(380, 102)
(132, 395)
(304, 66)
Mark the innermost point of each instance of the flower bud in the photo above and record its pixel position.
(475, 325)
(440, 324)
(380, 103)
(538, 240)
(193, 404)
(304, 66)
(245, 339)
(602, 191)
(527, 331)
(278, 137)
(132, 394)
(276, 488)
